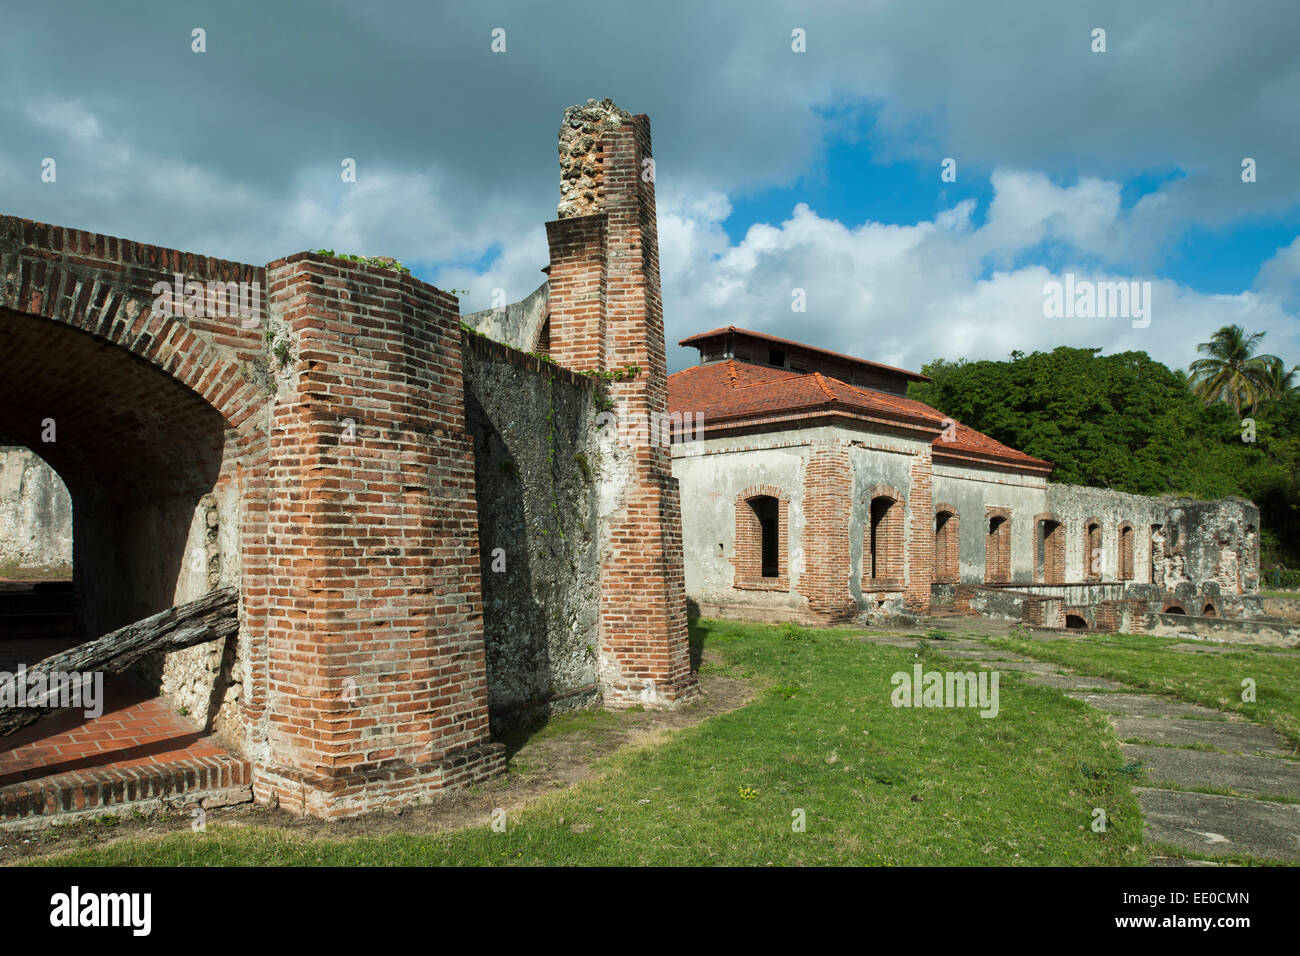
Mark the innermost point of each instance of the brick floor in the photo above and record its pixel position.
(135, 729)
(136, 732)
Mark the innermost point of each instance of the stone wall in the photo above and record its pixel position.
(830, 474)
(583, 155)
(35, 515)
(538, 470)
(518, 324)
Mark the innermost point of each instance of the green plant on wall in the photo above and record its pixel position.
(603, 380)
(279, 347)
(382, 262)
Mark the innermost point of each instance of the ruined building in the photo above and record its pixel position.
(429, 536)
(819, 491)
(435, 533)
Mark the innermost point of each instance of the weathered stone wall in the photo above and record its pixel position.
(35, 514)
(880, 462)
(583, 154)
(517, 324)
(538, 471)
(1078, 504)
(1209, 547)
(1213, 541)
(713, 473)
(972, 491)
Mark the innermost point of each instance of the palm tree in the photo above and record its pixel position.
(1279, 380)
(1232, 373)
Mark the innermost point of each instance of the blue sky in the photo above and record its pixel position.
(777, 170)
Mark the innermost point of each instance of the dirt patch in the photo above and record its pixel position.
(541, 761)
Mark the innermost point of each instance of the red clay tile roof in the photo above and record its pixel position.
(732, 329)
(733, 392)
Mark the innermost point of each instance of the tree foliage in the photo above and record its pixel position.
(1232, 372)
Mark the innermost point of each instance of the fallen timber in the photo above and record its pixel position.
(211, 617)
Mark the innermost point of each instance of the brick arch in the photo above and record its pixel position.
(1094, 549)
(947, 563)
(883, 539)
(1125, 541)
(883, 491)
(163, 437)
(1049, 548)
(770, 491)
(104, 286)
(747, 553)
(997, 545)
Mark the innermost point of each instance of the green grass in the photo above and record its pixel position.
(1284, 595)
(1214, 680)
(875, 784)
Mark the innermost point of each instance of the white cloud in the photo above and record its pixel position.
(904, 295)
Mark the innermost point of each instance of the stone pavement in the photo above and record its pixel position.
(1183, 748)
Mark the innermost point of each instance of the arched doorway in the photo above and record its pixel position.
(946, 538)
(1050, 556)
(149, 469)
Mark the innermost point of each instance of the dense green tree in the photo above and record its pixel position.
(1127, 422)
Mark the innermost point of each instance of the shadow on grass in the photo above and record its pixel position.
(516, 734)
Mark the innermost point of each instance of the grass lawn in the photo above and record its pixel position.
(875, 784)
(1214, 680)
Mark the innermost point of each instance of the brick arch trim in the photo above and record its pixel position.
(947, 563)
(997, 549)
(1088, 574)
(883, 491)
(1055, 573)
(747, 555)
(892, 550)
(103, 286)
(764, 491)
(1127, 569)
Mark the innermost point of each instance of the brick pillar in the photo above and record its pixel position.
(827, 501)
(376, 684)
(577, 292)
(920, 550)
(606, 313)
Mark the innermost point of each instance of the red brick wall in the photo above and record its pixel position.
(947, 558)
(1052, 549)
(885, 567)
(374, 665)
(1126, 551)
(827, 498)
(920, 558)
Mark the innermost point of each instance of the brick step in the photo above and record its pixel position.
(197, 782)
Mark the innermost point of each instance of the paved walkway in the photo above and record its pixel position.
(1183, 748)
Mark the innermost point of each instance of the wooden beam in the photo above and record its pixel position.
(213, 616)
